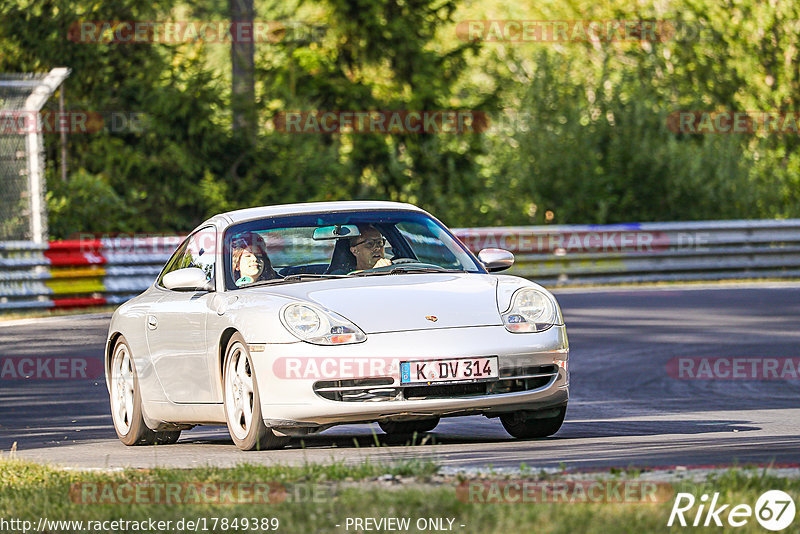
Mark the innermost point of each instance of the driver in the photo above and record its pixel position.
(250, 262)
(368, 248)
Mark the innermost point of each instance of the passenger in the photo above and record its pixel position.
(368, 248)
(250, 262)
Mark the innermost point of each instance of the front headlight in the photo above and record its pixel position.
(531, 311)
(320, 327)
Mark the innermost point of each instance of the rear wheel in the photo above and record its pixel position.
(539, 424)
(407, 428)
(126, 402)
(242, 401)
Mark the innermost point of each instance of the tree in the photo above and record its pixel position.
(243, 92)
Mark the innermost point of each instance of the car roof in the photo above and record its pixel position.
(234, 217)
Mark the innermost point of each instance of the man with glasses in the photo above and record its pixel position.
(368, 248)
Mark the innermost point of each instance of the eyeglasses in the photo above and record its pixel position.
(373, 243)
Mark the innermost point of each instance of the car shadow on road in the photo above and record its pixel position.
(367, 436)
(607, 429)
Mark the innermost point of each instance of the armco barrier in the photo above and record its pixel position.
(110, 271)
(23, 269)
(647, 252)
(79, 273)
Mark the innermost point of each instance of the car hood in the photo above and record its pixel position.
(390, 303)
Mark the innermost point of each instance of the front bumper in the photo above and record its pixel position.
(286, 374)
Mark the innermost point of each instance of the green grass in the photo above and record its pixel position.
(320, 496)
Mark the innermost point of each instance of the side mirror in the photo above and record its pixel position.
(188, 279)
(496, 259)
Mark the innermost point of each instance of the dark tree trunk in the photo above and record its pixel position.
(243, 96)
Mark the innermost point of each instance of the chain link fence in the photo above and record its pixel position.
(23, 212)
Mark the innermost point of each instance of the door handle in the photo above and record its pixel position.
(152, 322)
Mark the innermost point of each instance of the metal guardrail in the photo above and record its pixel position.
(647, 252)
(110, 271)
(79, 273)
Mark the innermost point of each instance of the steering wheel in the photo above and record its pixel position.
(394, 264)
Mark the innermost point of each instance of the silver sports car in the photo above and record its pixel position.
(286, 320)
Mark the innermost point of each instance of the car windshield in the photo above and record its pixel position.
(340, 244)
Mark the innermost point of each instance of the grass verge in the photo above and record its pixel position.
(321, 498)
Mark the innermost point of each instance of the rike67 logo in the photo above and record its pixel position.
(774, 510)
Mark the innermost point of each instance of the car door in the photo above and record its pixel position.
(176, 326)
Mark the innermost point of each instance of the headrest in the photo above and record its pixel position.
(342, 260)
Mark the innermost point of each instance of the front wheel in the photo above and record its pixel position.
(523, 425)
(242, 401)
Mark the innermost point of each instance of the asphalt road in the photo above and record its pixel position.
(625, 408)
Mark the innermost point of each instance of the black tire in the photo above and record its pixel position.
(408, 428)
(525, 425)
(257, 436)
(128, 424)
(167, 437)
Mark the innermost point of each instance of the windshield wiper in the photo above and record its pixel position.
(409, 269)
(311, 276)
(299, 277)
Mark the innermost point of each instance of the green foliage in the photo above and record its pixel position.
(602, 153)
(87, 197)
(379, 55)
(590, 141)
(579, 129)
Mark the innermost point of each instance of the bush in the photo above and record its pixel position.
(87, 201)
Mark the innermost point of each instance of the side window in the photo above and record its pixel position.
(173, 261)
(200, 252)
(197, 251)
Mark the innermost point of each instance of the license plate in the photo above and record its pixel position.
(453, 370)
